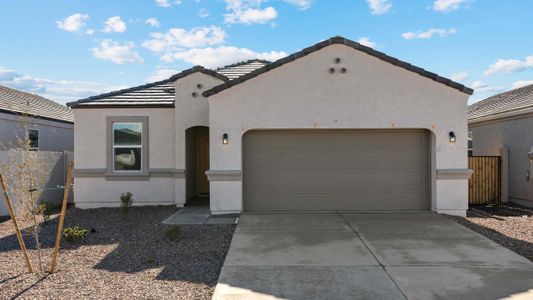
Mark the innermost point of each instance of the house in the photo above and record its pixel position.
(335, 126)
(502, 125)
(50, 125)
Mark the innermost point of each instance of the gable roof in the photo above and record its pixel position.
(18, 102)
(239, 69)
(161, 93)
(155, 94)
(347, 42)
(514, 102)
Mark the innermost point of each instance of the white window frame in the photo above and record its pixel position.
(113, 146)
(38, 138)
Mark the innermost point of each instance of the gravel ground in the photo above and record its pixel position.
(509, 225)
(127, 256)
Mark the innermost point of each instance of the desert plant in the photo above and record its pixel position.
(126, 200)
(173, 232)
(45, 209)
(74, 234)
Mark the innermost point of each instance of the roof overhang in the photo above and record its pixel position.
(342, 41)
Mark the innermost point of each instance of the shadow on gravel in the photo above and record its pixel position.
(521, 247)
(196, 256)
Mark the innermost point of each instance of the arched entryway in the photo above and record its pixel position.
(197, 163)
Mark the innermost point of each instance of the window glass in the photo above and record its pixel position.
(127, 133)
(33, 136)
(127, 146)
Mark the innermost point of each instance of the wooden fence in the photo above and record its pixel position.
(484, 186)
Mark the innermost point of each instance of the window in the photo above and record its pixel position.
(127, 146)
(33, 137)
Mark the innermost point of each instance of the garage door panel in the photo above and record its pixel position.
(336, 170)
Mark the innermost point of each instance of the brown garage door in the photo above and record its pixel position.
(336, 170)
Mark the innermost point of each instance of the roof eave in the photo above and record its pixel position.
(343, 41)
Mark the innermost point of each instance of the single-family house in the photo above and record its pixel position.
(335, 126)
(502, 125)
(50, 125)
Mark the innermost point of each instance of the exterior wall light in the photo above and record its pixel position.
(225, 139)
(452, 137)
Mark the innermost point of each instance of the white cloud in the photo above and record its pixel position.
(459, 76)
(482, 87)
(114, 24)
(203, 13)
(521, 83)
(161, 74)
(448, 5)
(301, 4)
(378, 7)
(428, 33)
(73, 23)
(57, 90)
(154, 22)
(365, 41)
(248, 12)
(89, 31)
(116, 52)
(219, 56)
(176, 38)
(167, 3)
(510, 66)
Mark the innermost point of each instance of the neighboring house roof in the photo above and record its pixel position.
(161, 93)
(515, 102)
(18, 102)
(350, 43)
(237, 70)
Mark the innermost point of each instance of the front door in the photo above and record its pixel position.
(202, 163)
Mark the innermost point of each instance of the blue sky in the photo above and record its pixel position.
(71, 49)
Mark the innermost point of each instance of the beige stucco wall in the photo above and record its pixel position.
(90, 152)
(372, 94)
(515, 134)
(190, 112)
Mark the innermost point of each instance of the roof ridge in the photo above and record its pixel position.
(244, 62)
(34, 95)
(340, 40)
(151, 84)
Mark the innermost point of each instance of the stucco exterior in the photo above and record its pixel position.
(302, 94)
(372, 94)
(515, 136)
(53, 135)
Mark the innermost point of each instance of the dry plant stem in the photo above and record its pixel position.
(19, 235)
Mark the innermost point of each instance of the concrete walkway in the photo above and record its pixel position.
(198, 215)
(367, 256)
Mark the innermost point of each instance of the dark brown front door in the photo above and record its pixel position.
(202, 162)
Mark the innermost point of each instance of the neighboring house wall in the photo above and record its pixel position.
(372, 94)
(516, 134)
(53, 135)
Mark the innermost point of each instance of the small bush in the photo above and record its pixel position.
(74, 234)
(126, 200)
(45, 209)
(173, 232)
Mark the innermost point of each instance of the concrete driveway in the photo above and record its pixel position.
(367, 256)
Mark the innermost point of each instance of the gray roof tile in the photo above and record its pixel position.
(514, 101)
(19, 102)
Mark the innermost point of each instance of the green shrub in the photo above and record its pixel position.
(173, 232)
(126, 200)
(74, 234)
(45, 209)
